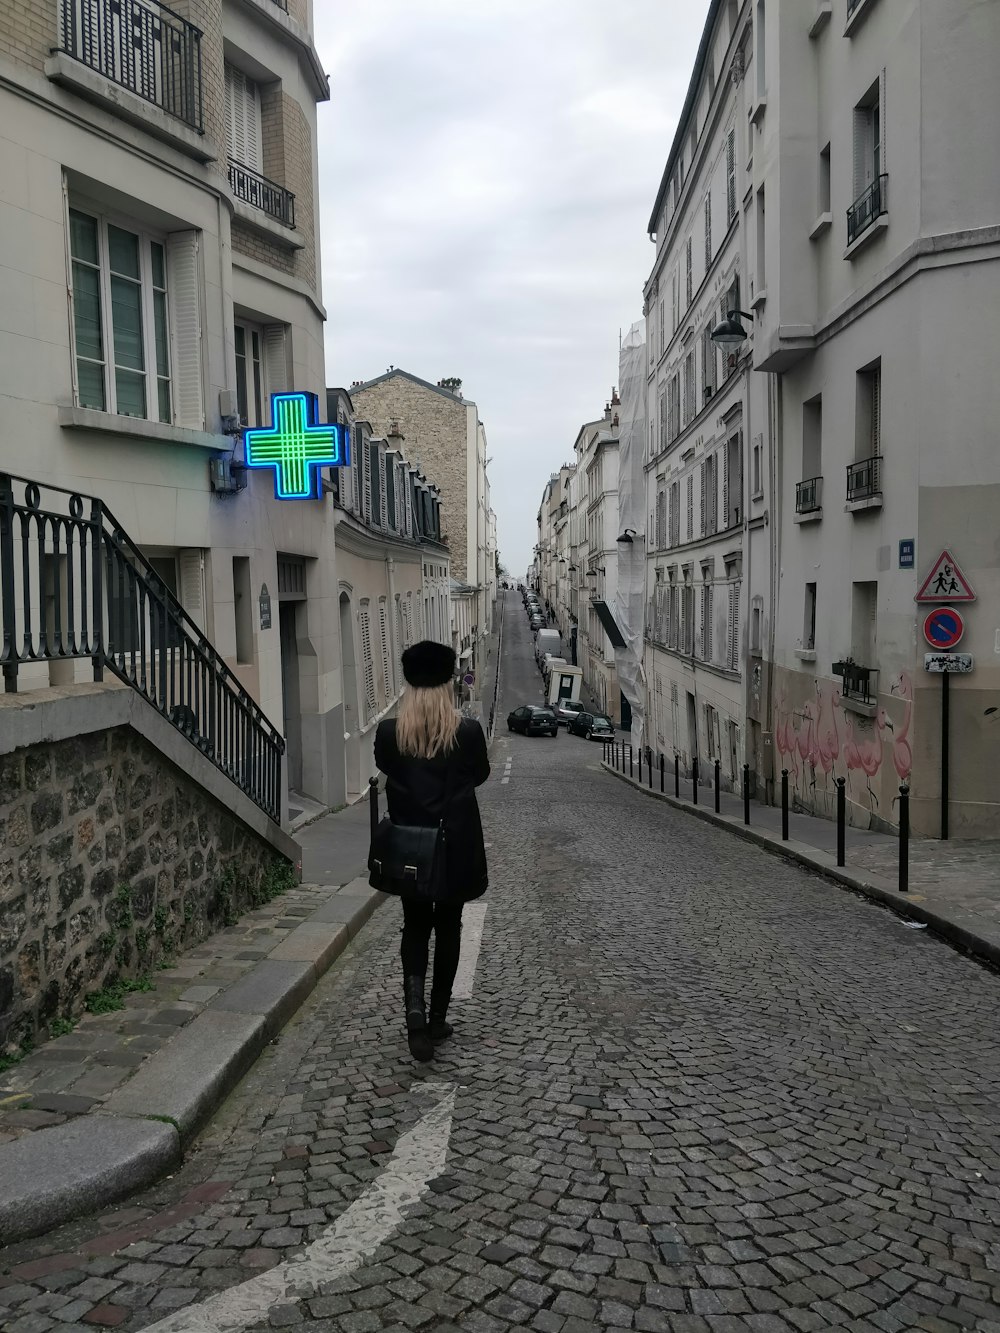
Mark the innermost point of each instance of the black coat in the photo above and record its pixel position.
(416, 788)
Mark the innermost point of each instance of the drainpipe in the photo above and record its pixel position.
(392, 617)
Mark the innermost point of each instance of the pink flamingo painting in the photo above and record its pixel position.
(866, 754)
(902, 752)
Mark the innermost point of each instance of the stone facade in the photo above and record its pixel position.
(110, 859)
(433, 422)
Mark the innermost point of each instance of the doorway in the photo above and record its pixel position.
(692, 712)
(290, 699)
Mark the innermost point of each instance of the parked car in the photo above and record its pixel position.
(592, 726)
(536, 623)
(566, 710)
(533, 720)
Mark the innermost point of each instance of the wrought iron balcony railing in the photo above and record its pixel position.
(142, 46)
(867, 207)
(859, 682)
(257, 191)
(809, 495)
(864, 478)
(852, 6)
(74, 585)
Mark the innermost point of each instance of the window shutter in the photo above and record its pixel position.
(275, 365)
(881, 111)
(703, 487)
(690, 507)
(689, 269)
(185, 290)
(861, 129)
(877, 411)
(731, 174)
(708, 233)
(243, 136)
(366, 654)
(725, 488)
(384, 635)
(357, 451)
(192, 584)
(734, 626)
(366, 508)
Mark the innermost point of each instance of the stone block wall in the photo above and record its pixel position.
(433, 424)
(110, 859)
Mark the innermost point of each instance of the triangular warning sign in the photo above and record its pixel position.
(945, 582)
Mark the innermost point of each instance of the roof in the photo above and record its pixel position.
(704, 48)
(415, 379)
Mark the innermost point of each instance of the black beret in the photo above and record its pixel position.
(428, 664)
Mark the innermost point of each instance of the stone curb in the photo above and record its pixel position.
(57, 1174)
(877, 888)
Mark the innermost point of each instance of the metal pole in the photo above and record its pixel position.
(373, 803)
(649, 768)
(694, 779)
(841, 819)
(784, 805)
(663, 769)
(640, 765)
(718, 787)
(677, 776)
(945, 709)
(746, 794)
(904, 838)
(631, 772)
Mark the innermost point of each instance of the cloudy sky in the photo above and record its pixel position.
(488, 168)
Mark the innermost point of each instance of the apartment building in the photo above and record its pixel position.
(446, 436)
(875, 280)
(160, 280)
(707, 469)
(577, 557)
(393, 578)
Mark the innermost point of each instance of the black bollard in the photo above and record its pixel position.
(373, 803)
(663, 769)
(784, 805)
(694, 779)
(718, 787)
(904, 839)
(841, 819)
(631, 771)
(649, 767)
(677, 776)
(640, 766)
(746, 794)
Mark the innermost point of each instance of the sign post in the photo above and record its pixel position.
(945, 665)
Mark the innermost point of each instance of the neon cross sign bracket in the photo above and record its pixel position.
(296, 446)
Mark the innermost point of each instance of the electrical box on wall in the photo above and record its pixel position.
(226, 477)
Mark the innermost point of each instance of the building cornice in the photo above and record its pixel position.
(358, 539)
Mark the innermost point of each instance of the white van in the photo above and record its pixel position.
(546, 641)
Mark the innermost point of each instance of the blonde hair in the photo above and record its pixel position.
(427, 722)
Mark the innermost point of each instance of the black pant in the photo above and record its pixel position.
(419, 919)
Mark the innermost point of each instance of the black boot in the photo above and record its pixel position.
(437, 1028)
(416, 1020)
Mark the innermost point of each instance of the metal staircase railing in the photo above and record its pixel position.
(74, 585)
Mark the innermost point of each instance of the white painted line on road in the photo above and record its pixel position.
(472, 937)
(417, 1159)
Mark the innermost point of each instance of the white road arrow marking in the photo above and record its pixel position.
(418, 1158)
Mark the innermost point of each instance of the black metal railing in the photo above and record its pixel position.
(859, 682)
(74, 585)
(852, 6)
(867, 207)
(257, 191)
(141, 45)
(864, 478)
(809, 495)
(283, 4)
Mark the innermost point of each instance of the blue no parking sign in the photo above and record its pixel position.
(943, 627)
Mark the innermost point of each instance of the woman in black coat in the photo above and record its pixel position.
(434, 760)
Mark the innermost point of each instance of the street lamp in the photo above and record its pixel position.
(627, 536)
(731, 333)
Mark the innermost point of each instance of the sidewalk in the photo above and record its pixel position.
(104, 1110)
(954, 887)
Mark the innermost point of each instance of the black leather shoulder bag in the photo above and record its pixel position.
(409, 860)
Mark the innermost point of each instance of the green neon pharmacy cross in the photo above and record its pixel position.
(296, 446)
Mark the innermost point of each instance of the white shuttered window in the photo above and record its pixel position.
(243, 136)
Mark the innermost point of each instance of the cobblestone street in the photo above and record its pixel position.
(696, 1089)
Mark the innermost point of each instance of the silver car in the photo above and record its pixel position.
(566, 710)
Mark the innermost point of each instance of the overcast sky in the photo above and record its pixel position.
(487, 171)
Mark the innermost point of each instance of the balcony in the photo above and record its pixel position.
(867, 209)
(864, 483)
(859, 683)
(259, 192)
(809, 497)
(142, 46)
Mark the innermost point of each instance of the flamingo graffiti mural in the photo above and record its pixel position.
(820, 737)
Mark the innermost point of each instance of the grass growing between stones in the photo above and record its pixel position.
(112, 996)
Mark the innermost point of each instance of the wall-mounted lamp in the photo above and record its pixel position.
(627, 535)
(731, 333)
